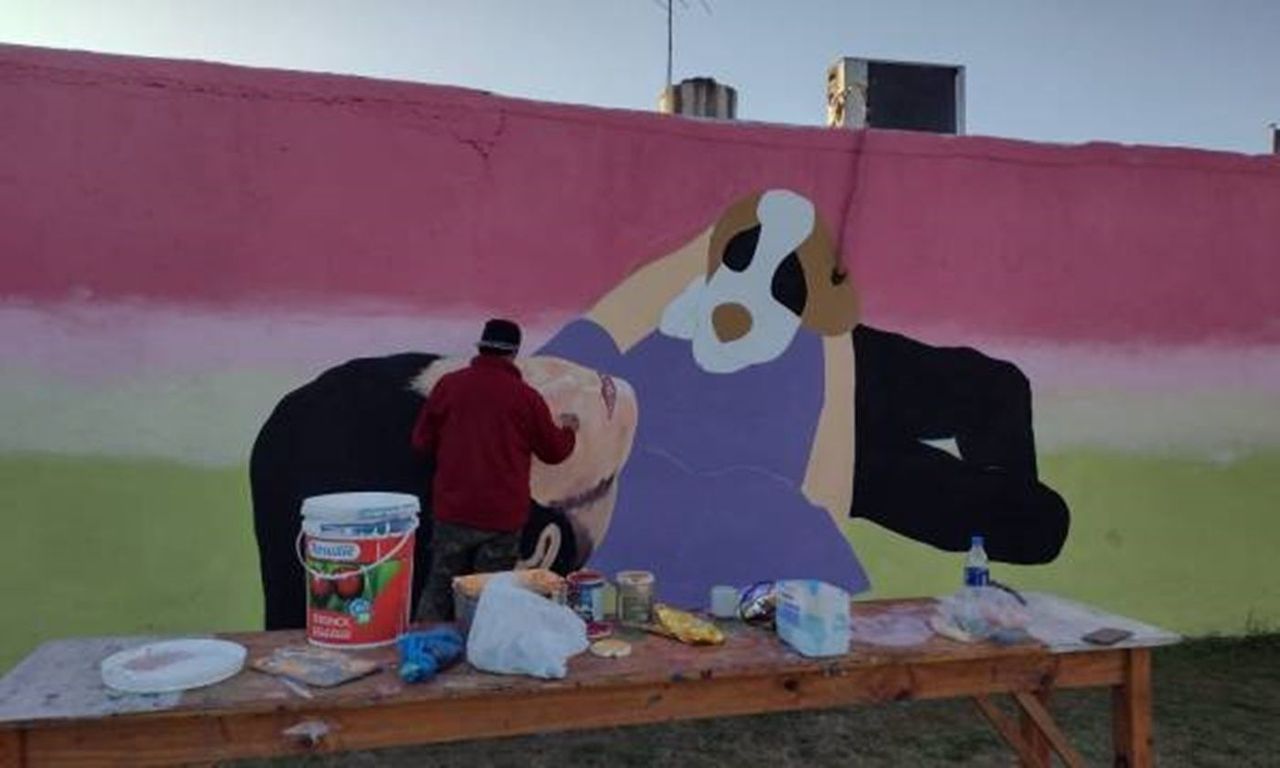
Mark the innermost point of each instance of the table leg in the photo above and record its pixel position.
(1008, 731)
(1131, 712)
(10, 748)
(1049, 729)
(1031, 734)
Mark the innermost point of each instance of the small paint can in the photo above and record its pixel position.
(586, 595)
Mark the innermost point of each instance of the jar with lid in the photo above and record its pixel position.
(635, 597)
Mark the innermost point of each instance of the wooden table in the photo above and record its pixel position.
(54, 708)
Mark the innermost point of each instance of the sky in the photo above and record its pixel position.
(1198, 73)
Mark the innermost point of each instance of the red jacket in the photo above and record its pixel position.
(483, 424)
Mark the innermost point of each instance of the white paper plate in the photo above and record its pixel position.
(172, 665)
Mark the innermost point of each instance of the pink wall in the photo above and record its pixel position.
(211, 185)
(183, 243)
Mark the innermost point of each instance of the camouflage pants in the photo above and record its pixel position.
(457, 550)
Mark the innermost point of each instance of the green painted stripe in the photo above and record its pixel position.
(1188, 545)
(116, 546)
(105, 546)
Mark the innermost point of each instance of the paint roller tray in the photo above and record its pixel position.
(320, 667)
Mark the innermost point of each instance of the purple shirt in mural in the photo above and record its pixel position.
(712, 491)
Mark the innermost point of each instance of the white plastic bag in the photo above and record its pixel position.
(983, 613)
(519, 632)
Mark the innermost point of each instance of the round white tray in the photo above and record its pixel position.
(172, 665)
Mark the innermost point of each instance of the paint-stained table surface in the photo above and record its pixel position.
(54, 707)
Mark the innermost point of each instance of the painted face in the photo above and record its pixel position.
(584, 486)
(771, 268)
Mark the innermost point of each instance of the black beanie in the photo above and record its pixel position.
(500, 336)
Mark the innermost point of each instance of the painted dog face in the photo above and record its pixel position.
(583, 487)
(771, 268)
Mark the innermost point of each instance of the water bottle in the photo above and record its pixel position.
(976, 573)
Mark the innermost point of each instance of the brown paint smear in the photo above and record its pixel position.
(832, 308)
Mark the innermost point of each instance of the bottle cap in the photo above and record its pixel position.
(976, 541)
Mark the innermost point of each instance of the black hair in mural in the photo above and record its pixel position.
(349, 430)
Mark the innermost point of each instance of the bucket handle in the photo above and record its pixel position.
(363, 570)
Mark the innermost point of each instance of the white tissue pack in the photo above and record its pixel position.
(813, 617)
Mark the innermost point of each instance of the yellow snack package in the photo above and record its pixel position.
(686, 627)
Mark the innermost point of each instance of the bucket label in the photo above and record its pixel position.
(355, 597)
(342, 551)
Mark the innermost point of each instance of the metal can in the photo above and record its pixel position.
(586, 595)
(759, 603)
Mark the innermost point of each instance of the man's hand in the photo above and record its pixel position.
(569, 421)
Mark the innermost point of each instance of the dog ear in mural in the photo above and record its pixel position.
(743, 416)
(349, 430)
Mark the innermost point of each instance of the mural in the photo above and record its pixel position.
(811, 320)
(740, 352)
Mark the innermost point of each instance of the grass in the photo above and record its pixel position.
(1217, 703)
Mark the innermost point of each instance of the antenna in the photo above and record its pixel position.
(669, 7)
(670, 47)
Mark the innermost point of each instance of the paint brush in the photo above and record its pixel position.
(296, 687)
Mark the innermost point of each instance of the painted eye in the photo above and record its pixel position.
(788, 286)
(740, 249)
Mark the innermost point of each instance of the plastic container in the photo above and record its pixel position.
(635, 597)
(724, 602)
(464, 610)
(813, 617)
(467, 590)
(357, 551)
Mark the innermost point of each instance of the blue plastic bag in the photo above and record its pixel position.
(423, 654)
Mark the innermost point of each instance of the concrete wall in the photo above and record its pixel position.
(183, 243)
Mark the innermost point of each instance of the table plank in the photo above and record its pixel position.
(11, 747)
(662, 680)
(180, 736)
(72, 666)
(62, 679)
(1061, 623)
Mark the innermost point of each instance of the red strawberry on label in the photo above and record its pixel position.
(350, 585)
(321, 588)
